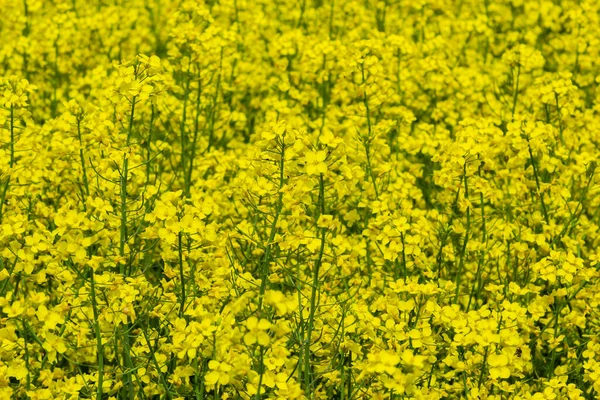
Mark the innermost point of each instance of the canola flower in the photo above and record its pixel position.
(312, 199)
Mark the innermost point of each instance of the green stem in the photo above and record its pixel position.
(149, 144)
(190, 169)
(466, 239)
(213, 114)
(99, 346)
(82, 159)
(537, 182)
(11, 162)
(516, 92)
(12, 135)
(125, 268)
(367, 142)
(124, 173)
(261, 371)
(183, 133)
(314, 291)
(181, 276)
(264, 267)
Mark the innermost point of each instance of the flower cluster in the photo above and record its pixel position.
(313, 199)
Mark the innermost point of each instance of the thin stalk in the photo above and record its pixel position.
(404, 271)
(99, 346)
(26, 348)
(261, 371)
(475, 286)
(314, 291)
(183, 133)
(516, 92)
(149, 144)
(12, 160)
(190, 169)
(124, 173)
(367, 142)
(331, 19)
(213, 114)
(82, 159)
(12, 135)
(155, 362)
(181, 275)
(126, 269)
(465, 241)
(560, 124)
(264, 267)
(537, 182)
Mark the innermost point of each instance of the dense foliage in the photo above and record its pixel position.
(299, 199)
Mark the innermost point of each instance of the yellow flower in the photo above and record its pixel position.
(257, 331)
(14, 310)
(219, 373)
(315, 162)
(499, 366)
(54, 344)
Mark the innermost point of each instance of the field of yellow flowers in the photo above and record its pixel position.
(299, 199)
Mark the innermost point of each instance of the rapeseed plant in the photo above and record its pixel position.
(327, 199)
